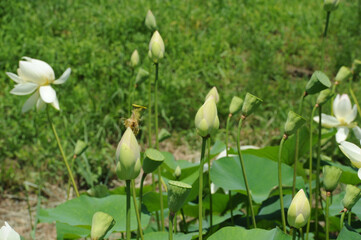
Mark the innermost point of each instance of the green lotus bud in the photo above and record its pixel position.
(156, 47)
(331, 176)
(352, 195)
(142, 75)
(150, 21)
(318, 82)
(177, 195)
(343, 74)
(213, 92)
(250, 104)
(294, 122)
(177, 172)
(163, 135)
(80, 147)
(152, 159)
(206, 119)
(324, 96)
(330, 5)
(236, 105)
(356, 66)
(101, 224)
(134, 59)
(299, 210)
(128, 156)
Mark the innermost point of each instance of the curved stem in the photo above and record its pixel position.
(318, 170)
(327, 222)
(209, 182)
(244, 171)
(280, 183)
(128, 209)
(200, 190)
(296, 150)
(355, 100)
(342, 219)
(140, 231)
(62, 152)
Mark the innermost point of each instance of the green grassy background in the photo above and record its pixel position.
(266, 47)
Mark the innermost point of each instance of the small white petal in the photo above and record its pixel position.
(63, 77)
(343, 107)
(55, 104)
(352, 115)
(353, 152)
(8, 233)
(47, 93)
(327, 121)
(342, 133)
(44, 67)
(40, 105)
(24, 88)
(14, 77)
(359, 173)
(30, 102)
(357, 131)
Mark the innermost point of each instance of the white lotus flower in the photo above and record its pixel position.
(7, 233)
(343, 120)
(353, 153)
(35, 76)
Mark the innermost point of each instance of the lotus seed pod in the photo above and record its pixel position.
(134, 59)
(156, 47)
(213, 92)
(318, 82)
(250, 104)
(178, 172)
(128, 156)
(331, 176)
(330, 5)
(80, 147)
(236, 105)
(299, 210)
(152, 159)
(150, 21)
(206, 119)
(101, 224)
(177, 195)
(356, 66)
(352, 195)
(324, 96)
(142, 75)
(343, 74)
(294, 122)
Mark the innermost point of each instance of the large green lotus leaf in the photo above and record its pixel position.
(79, 212)
(66, 231)
(152, 201)
(256, 234)
(217, 148)
(262, 175)
(164, 236)
(337, 206)
(347, 234)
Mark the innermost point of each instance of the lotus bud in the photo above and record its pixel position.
(330, 5)
(150, 21)
(142, 75)
(250, 104)
(213, 92)
(324, 96)
(331, 176)
(80, 147)
(343, 74)
(352, 195)
(236, 105)
(152, 159)
(294, 122)
(206, 119)
(163, 135)
(134, 59)
(156, 47)
(356, 66)
(299, 210)
(128, 156)
(101, 224)
(318, 82)
(178, 172)
(177, 195)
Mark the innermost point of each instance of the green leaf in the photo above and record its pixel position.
(347, 234)
(217, 148)
(164, 236)
(241, 233)
(66, 231)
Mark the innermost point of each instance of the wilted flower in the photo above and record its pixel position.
(156, 47)
(150, 21)
(343, 74)
(36, 76)
(213, 92)
(353, 153)
(294, 122)
(330, 5)
(134, 59)
(343, 120)
(352, 196)
(324, 96)
(236, 105)
(7, 233)
(206, 120)
(299, 210)
(128, 156)
(250, 104)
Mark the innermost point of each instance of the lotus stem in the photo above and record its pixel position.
(209, 182)
(301, 233)
(231, 206)
(184, 221)
(200, 192)
(244, 171)
(130, 92)
(62, 152)
(349, 218)
(170, 230)
(229, 192)
(342, 219)
(327, 221)
(318, 169)
(140, 231)
(280, 182)
(128, 209)
(294, 233)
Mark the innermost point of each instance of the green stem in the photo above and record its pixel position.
(244, 171)
(318, 170)
(150, 113)
(327, 23)
(170, 230)
(184, 221)
(327, 222)
(161, 199)
(310, 169)
(156, 213)
(200, 192)
(231, 206)
(227, 132)
(294, 233)
(130, 92)
(62, 152)
(342, 219)
(141, 192)
(349, 217)
(301, 233)
(128, 209)
(209, 182)
(280, 182)
(140, 231)
(324, 38)
(355, 100)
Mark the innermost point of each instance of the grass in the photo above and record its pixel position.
(266, 47)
